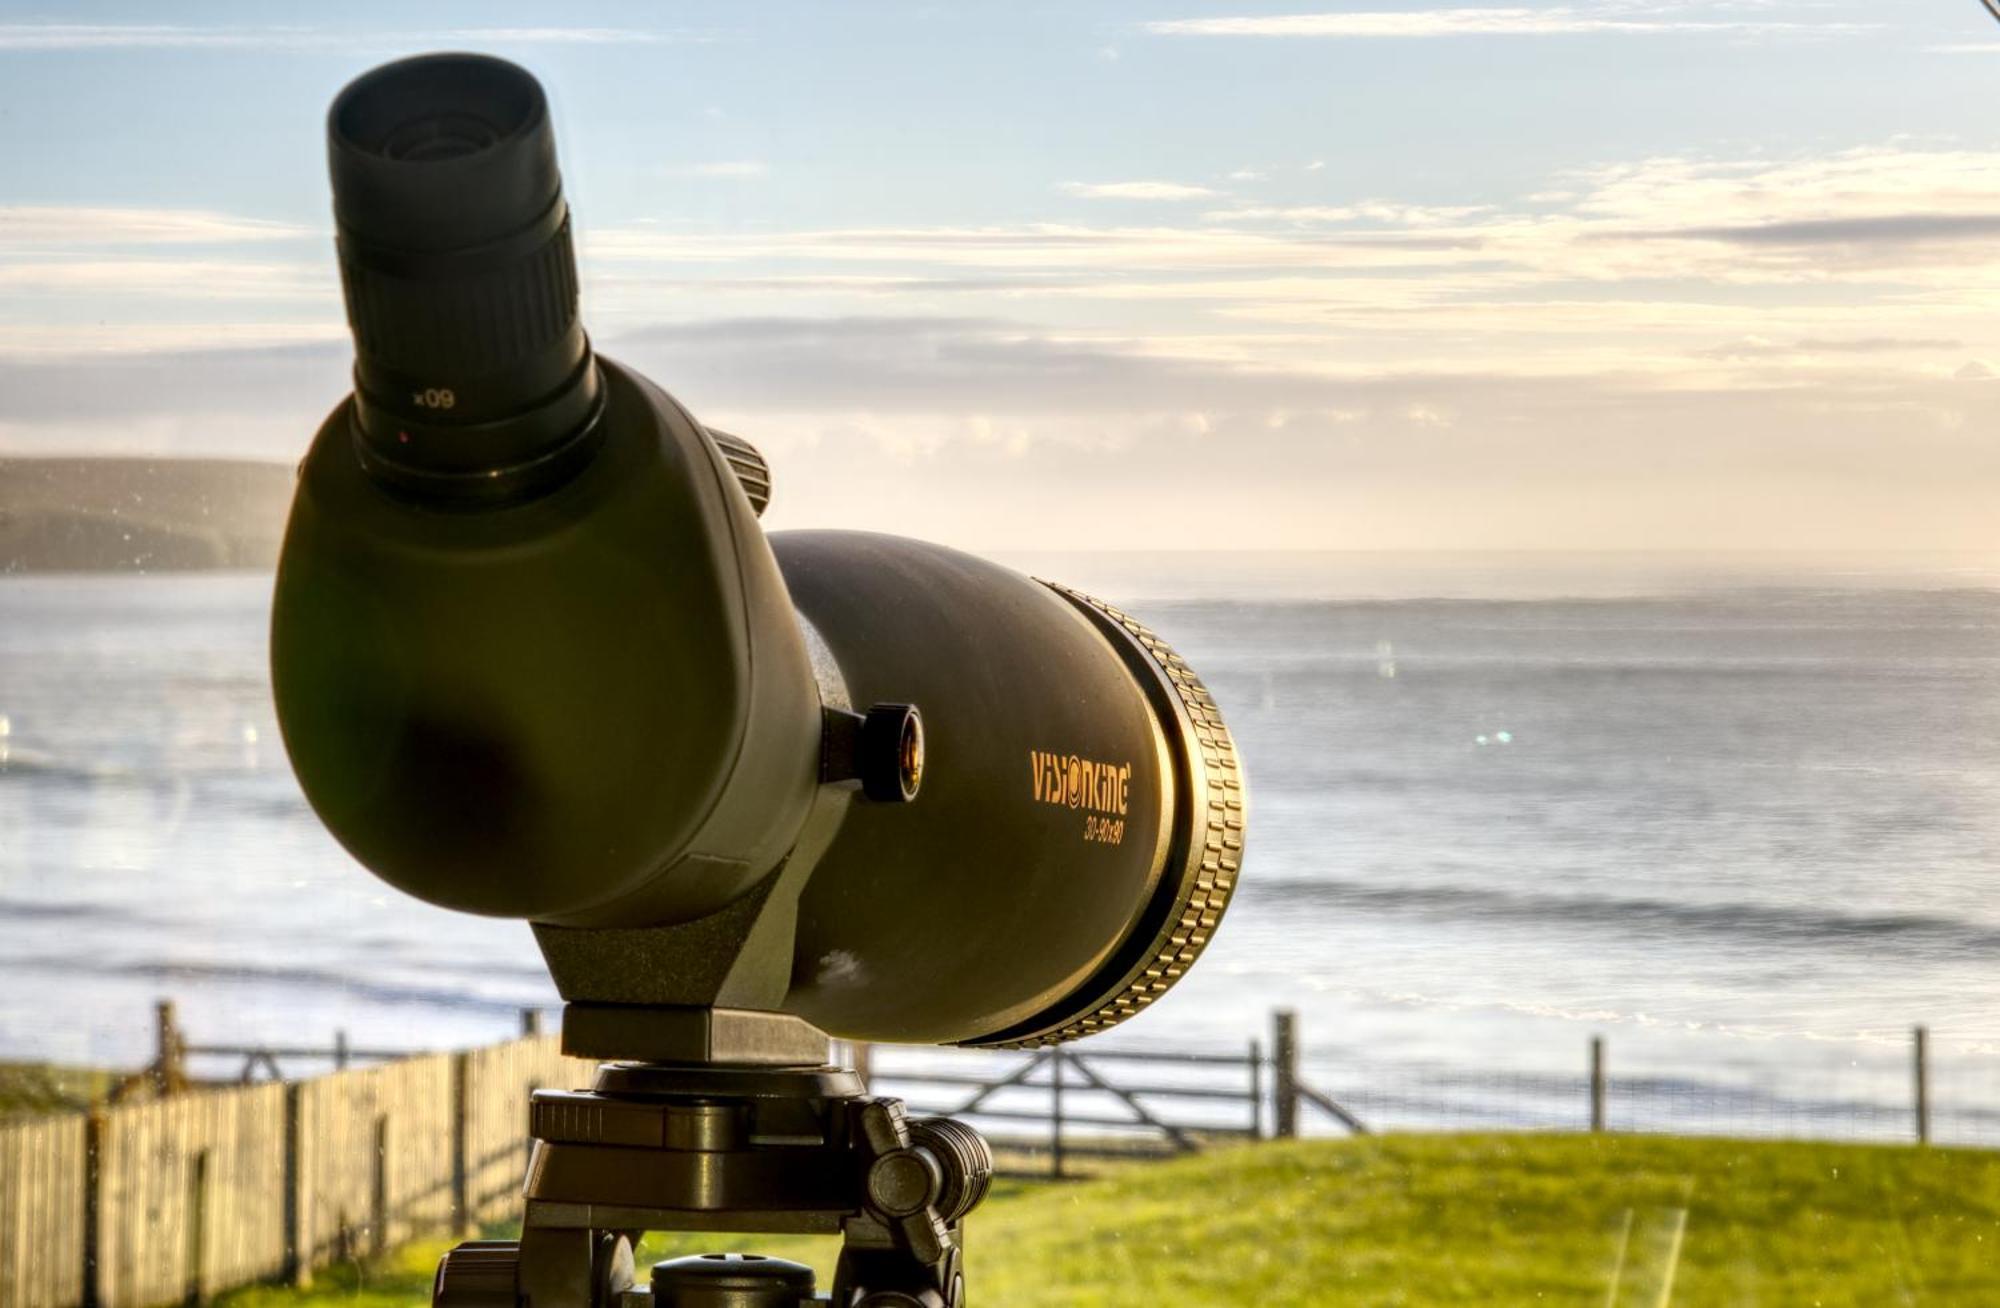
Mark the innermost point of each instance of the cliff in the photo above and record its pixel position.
(140, 515)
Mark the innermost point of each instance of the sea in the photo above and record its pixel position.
(1737, 816)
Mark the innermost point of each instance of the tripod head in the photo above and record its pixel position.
(781, 1147)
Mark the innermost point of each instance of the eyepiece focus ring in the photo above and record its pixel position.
(459, 316)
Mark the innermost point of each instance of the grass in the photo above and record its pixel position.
(30, 1089)
(1423, 1220)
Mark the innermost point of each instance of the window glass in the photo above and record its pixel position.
(1561, 437)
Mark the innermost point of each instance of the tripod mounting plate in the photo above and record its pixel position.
(673, 1034)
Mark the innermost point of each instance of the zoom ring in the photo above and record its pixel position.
(456, 329)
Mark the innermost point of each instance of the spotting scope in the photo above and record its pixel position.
(535, 657)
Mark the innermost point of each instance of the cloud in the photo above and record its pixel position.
(206, 280)
(1651, 261)
(28, 342)
(976, 425)
(154, 36)
(1382, 212)
(1786, 327)
(1137, 190)
(1883, 230)
(1927, 219)
(41, 226)
(1757, 347)
(1427, 23)
(1871, 181)
(292, 384)
(1036, 248)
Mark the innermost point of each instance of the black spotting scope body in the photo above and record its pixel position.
(534, 656)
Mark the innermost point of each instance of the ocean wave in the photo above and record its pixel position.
(33, 910)
(168, 972)
(178, 771)
(33, 763)
(1973, 590)
(1763, 923)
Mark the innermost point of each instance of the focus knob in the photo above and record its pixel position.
(890, 756)
(752, 473)
(965, 1162)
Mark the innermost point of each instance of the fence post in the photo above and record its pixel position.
(1256, 1089)
(298, 1259)
(1922, 1069)
(93, 1207)
(1056, 1112)
(461, 1173)
(531, 1023)
(340, 1051)
(1285, 1072)
(169, 1069)
(378, 1197)
(1597, 1120)
(197, 1229)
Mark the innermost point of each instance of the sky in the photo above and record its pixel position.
(1609, 274)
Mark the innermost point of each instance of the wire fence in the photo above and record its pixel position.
(1881, 1093)
(1836, 1092)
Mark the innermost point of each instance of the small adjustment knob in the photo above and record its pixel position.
(889, 756)
(904, 1181)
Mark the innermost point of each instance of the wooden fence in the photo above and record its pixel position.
(188, 1195)
(172, 1200)
(42, 1213)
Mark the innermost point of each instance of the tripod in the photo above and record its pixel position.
(734, 1122)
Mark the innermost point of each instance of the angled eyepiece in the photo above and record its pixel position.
(474, 381)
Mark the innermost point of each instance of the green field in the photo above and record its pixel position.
(1461, 1220)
